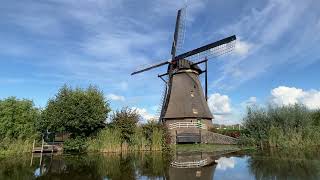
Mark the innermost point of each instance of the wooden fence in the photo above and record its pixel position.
(187, 125)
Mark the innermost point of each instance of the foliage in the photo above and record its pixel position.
(15, 146)
(17, 118)
(228, 132)
(146, 137)
(126, 121)
(80, 112)
(316, 117)
(157, 135)
(281, 126)
(76, 144)
(107, 140)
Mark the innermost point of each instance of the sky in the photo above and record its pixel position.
(46, 44)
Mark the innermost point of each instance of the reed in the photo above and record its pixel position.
(109, 140)
(281, 127)
(15, 146)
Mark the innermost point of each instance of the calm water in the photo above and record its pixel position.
(182, 166)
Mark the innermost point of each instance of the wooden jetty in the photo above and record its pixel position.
(44, 148)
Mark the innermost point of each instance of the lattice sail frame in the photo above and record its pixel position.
(213, 52)
(181, 30)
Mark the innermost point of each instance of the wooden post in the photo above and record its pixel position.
(41, 150)
(34, 141)
(206, 79)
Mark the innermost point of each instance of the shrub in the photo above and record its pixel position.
(75, 145)
(15, 146)
(281, 126)
(126, 121)
(107, 140)
(81, 112)
(17, 118)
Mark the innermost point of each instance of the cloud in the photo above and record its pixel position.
(249, 102)
(225, 163)
(283, 95)
(146, 116)
(264, 29)
(219, 104)
(115, 97)
(242, 48)
(220, 107)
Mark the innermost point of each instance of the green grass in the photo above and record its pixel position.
(292, 126)
(206, 148)
(10, 147)
(109, 140)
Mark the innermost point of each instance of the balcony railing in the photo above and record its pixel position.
(187, 125)
(191, 164)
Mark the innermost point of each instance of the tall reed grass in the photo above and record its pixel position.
(15, 147)
(109, 140)
(281, 126)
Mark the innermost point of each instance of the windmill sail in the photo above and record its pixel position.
(179, 33)
(211, 50)
(149, 67)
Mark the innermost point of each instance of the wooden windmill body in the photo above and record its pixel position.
(184, 107)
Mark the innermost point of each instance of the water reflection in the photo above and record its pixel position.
(200, 165)
(285, 165)
(195, 165)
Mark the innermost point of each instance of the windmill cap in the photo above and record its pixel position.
(186, 64)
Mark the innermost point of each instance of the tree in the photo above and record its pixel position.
(80, 112)
(316, 117)
(17, 118)
(126, 121)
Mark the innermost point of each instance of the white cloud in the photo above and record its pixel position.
(219, 104)
(145, 114)
(264, 29)
(225, 163)
(242, 48)
(220, 107)
(283, 95)
(115, 97)
(251, 101)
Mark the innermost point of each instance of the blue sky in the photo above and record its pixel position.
(45, 44)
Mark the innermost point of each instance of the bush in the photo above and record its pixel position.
(107, 140)
(15, 146)
(228, 132)
(81, 112)
(316, 117)
(281, 126)
(146, 137)
(75, 145)
(126, 121)
(17, 118)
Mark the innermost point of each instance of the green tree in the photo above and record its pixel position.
(316, 117)
(126, 121)
(17, 118)
(78, 111)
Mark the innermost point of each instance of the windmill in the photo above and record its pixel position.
(184, 107)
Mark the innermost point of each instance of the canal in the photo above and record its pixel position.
(155, 165)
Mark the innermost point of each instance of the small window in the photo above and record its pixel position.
(191, 93)
(195, 111)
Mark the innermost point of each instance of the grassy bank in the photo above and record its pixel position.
(15, 147)
(292, 126)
